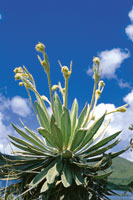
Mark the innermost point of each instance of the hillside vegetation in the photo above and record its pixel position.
(122, 176)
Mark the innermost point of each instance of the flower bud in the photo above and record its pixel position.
(21, 83)
(101, 84)
(65, 69)
(121, 109)
(63, 90)
(66, 72)
(17, 76)
(44, 63)
(20, 70)
(96, 60)
(55, 87)
(40, 47)
(15, 70)
(98, 93)
(44, 98)
(69, 73)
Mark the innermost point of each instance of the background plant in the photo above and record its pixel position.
(68, 157)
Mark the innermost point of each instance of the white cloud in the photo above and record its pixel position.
(90, 71)
(49, 109)
(123, 84)
(20, 106)
(0, 16)
(120, 121)
(129, 98)
(8, 109)
(5, 130)
(17, 105)
(129, 28)
(129, 31)
(130, 14)
(110, 61)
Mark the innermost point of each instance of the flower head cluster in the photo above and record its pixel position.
(65, 70)
(18, 73)
(40, 47)
(24, 76)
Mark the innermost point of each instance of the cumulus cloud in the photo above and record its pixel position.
(129, 98)
(17, 105)
(9, 108)
(120, 121)
(5, 130)
(130, 14)
(129, 28)
(20, 106)
(129, 31)
(111, 60)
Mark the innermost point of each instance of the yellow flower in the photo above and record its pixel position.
(15, 70)
(98, 93)
(21, 83)
(101, 84)
(65, 69)
(96, 60)
(18, 70)
(66, 72)
(40, 47)
(17, 76)
(55, 87)
(44, 98)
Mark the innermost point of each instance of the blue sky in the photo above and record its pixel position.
(71, 30)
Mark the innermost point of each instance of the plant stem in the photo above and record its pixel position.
(93, 110)
(32, 104)
(66, 88)
(50, 90)
(41, 102)
(92, 101)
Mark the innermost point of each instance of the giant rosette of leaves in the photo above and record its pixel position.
(68, 158)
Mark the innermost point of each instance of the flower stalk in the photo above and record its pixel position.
(96, 78)
(45, 63)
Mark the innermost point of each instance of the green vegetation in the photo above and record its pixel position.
(122, 176)
(68, 157)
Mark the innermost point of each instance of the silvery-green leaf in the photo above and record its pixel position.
(44, 120)
(102, 150)
(82, 117)
(44, 187)
(42, 175)
(29, 138)
(91, 132)
(57, 109)
(73, 116)
(78, 138)
(65, 126)
(56, 133)
(66, 176)
(79, 180)
(98, 177)
(102, 143)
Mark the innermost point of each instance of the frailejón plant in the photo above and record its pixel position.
(67, 159)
